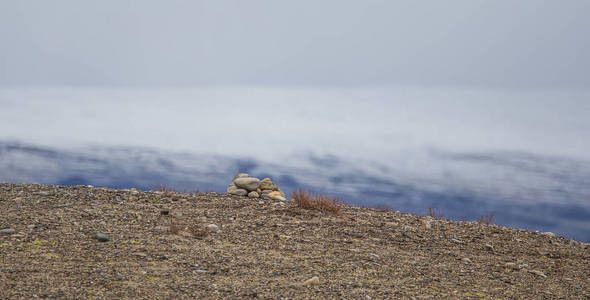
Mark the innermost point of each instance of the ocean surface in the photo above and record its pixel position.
(522, 155)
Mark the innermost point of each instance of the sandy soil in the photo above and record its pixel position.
(159, 248)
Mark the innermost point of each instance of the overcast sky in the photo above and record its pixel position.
(495, 43)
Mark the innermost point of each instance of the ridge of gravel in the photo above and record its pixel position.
(159, 247)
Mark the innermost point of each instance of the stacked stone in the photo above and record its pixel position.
(243, 185)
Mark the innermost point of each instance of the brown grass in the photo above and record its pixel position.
(320, 202)
(432, 213)
(162, 188)
(486, 219)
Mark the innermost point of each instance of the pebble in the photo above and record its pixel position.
(466, 260)
(489, 247)
(7, 231)
(511, 265)
(213, 228)
(202, 271)
(312, 281)
(249, 183)
(549, 234)
(236, 191)
(276, 195)
(253, 194)
(240, 175)
(102, 237)
(162, 228)
(267, 184)
(537, 272)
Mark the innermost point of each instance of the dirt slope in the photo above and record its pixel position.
(264, 249)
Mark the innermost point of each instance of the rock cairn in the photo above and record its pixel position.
(243, 185)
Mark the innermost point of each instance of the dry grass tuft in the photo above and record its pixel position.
(432, 213)
(163, 188)
(320, 202)
(486, 219)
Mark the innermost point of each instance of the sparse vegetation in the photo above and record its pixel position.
(320, 202)
(432, 213)
(163, 188)
(486, 219)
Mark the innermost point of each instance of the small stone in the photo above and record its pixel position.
(202, 271)
(466, 260)
(537, 272)
(511, 265)
(249, 183)
(268, 185)
(7, 231)
(253, 195)
(280, 198)
(162, 228)
(236, 191)
(276, 195)
(549, 234)
(240, 175)
(427, 224)
(489, 247)
(164, 212)
(119, 276)
(102, 237)
(312, 281)
(260, 202)
(213, 228)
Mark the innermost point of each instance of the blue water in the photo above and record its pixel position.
(522, 156)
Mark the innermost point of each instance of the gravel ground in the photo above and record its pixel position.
(159, 247)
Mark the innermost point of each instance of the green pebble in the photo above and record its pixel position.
(102, 237)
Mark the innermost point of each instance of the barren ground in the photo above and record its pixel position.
(265, 249)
